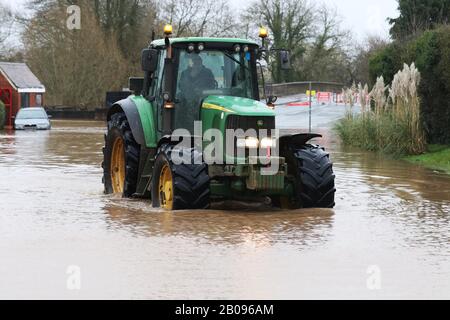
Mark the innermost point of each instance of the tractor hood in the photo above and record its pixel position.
(238, 106)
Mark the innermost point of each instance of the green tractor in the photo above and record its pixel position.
(203, 92)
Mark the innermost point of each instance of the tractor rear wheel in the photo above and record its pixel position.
(121, 158)
(315, 180)
(180, 186)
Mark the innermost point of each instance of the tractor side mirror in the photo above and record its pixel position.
(272, 99)
(285, 60)
(136, 85)
(149, 60)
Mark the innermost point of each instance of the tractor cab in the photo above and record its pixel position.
(183, 75)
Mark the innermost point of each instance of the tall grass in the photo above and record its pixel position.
(390, 120)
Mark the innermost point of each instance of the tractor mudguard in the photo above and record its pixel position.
(131, 111)
(297, 140)
(140, 117)
(167, 139)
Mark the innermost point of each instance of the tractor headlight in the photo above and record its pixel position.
(249, 142)
(201, 47)
(267, 143)
(237, 48)
(191, 48)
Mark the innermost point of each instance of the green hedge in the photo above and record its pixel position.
(431, 54)
(2, 115)
(387, 63)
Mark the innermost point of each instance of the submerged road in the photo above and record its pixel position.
(323, 116)
(61, 237)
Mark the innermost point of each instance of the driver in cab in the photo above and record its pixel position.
(196, 78)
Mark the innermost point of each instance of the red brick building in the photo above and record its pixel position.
(19, 88)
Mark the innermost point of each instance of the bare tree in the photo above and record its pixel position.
(77, 66)
(199, 17)
(6, 25)
(131, 22)
(327, 57)
(362, 56)
(290, 23)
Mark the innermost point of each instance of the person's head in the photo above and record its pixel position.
(196, 61)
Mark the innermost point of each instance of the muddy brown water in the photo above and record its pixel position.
(388, 237)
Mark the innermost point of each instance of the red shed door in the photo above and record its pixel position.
(6, 98)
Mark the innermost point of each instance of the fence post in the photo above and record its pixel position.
(310, 107)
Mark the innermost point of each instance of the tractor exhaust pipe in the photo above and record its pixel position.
(169, 105)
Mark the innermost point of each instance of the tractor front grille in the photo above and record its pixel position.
(246, 123)
(262, 127)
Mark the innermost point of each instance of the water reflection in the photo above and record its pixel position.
(67, 144)
(408, 181)
(301, 228)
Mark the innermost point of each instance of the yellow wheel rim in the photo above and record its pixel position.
(118, 166)
(166, 188)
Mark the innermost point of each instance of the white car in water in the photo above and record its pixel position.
(32, 118)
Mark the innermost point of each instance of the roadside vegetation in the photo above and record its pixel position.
(431, 54)
(401, 119)
(392, 125)
(437, 157)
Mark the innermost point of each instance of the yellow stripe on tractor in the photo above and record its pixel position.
(216, 107)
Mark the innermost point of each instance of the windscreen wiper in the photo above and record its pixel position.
(237, 61)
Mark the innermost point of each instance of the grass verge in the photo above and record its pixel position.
(437, 157)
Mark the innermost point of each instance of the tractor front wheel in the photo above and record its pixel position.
(121, 158)
(314, 180)
(180, 186)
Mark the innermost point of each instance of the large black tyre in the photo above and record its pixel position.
(119, 131)
(315, 178)
(190, 182)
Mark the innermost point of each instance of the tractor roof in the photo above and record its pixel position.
(160, 42)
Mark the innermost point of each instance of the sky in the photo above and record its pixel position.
(362, 17)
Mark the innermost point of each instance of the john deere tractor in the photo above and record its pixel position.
(194, 131)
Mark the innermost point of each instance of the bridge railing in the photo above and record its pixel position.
(294, 88)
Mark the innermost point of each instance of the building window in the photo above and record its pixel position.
(39, 100)
(25, 100)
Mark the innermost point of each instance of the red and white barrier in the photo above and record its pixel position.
(324, 97)
(298, 104)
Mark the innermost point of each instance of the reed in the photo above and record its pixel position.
(390, 120)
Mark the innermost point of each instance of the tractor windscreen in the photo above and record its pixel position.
(212, 72)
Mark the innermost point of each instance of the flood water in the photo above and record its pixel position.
(388, 237)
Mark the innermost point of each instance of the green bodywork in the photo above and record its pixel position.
(147, 114)
(234, 105)
(214, 113)
(216, 109)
